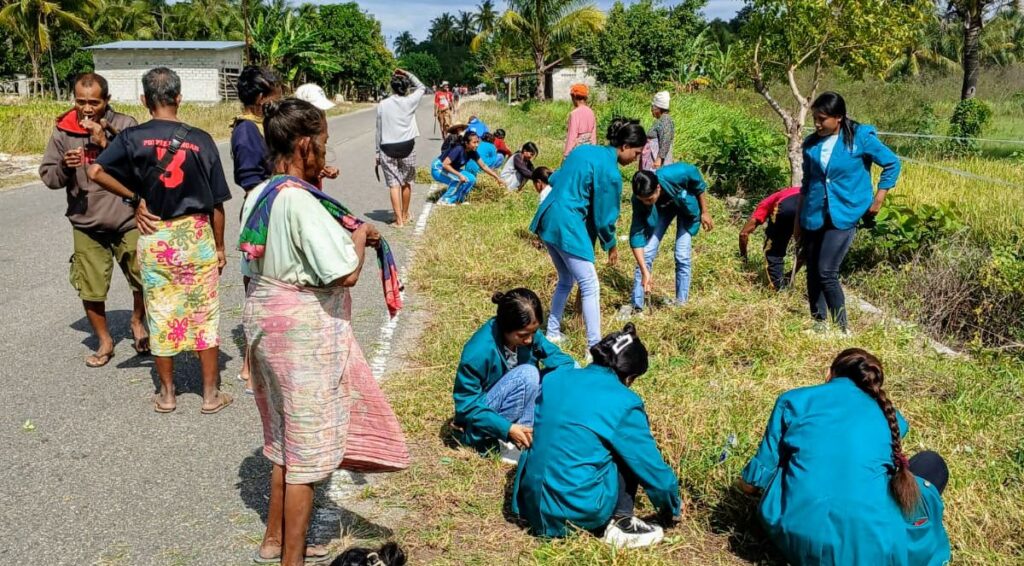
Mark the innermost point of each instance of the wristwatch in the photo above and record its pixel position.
(133, 201)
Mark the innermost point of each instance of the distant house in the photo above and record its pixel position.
(559, 76)
(208, 69)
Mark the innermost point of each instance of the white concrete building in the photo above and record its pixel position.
(208, 69)
(561, 76)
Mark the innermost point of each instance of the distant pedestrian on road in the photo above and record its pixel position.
(103, 226)
(585, 207)
(835, 195)
(304, 252)
(444, 103)
(179, 198)
(778, 210)
(396, 140)
(582, 122)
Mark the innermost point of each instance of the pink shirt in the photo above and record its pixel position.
(582, 128)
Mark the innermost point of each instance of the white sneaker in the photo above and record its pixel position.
(510, 453)
(630, 532)
(628, 312)
(589, 359)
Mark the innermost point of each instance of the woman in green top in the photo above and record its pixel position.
(837, 486)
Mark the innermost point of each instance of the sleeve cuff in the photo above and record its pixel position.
(757, 475)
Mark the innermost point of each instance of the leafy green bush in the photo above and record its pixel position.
(902, 232)
(742, 159)
(968, 121)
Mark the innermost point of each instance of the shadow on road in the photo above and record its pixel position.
(381, 215)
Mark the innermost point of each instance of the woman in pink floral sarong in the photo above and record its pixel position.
(297, 321)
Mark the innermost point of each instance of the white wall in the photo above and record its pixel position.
(563, 78)
(199, 70)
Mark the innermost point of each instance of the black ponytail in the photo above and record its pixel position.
(623, 352)
(626, 131)
(517, 309)
(834, 105)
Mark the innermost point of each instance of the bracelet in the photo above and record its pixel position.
(133, 201)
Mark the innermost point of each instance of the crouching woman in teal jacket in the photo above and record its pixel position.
(498, 379)
(592, 448)
(837, 487)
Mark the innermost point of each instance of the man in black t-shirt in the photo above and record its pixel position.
(179, 197)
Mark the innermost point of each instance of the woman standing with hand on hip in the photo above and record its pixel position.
(835, 194)
(585, 208)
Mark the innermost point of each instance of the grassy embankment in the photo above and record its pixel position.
(717, 366)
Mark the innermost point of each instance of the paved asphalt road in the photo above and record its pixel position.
(102, 479)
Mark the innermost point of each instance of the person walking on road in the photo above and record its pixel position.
(396, 140)
(304, 253)
(582, 122)
(179, 196)
(444, 104)
(103, 226)
(778, 210)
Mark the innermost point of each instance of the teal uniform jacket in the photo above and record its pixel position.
(586, 419)
(846, 183)
(481, 367)
(824, 465)
(682, 182)
(584, 202)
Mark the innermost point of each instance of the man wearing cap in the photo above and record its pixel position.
(103, 225)
(582, 122)
(443, 103)
(663, 131)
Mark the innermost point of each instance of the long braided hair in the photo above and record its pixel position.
(865, 370)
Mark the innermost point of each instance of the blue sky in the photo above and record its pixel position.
(397, 16)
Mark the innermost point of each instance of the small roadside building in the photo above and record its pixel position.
(559, 76)
(208, 69)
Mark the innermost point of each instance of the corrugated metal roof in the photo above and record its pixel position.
(207, 45)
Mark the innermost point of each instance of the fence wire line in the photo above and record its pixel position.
(964, 174)
(937, 137)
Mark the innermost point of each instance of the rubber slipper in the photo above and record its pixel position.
(225, 400)
(104, 359)
(310, 558)
(162, 408)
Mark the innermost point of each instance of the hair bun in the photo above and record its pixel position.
(271, 108)
(630, 328)
(497, 297)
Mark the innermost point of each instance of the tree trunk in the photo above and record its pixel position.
(56, 82)
(795, 155)
(972, 55)
(538, 62)
(36, 88)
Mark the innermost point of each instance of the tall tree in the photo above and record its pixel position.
(923, 51)
(465, 27)
(973, 14)
(356, 38)
(486, 16)
(33, 23)
(786, 36)
(284, 41)
(443, 29)
(552, 28)
(404, 43)
(125, 19)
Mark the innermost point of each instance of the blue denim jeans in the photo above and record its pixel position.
(683, 253)
(571, 270)
(514, 397)
(457, 190)
(495, 164)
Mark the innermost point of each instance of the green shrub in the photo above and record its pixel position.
(742, 159)
(968, 121)
(903, 231)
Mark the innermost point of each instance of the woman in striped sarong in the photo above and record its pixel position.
(304, 252)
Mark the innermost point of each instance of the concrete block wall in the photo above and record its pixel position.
(563, 78)
(199, 71)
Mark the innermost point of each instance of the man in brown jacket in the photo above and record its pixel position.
(103, 225)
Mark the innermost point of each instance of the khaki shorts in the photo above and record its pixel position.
(93, 262)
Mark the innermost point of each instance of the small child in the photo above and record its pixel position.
(540, 181)
(519, 169)
(499, 142)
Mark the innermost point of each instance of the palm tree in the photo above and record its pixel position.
(32, 22)
(442, 29)
(486, 16)
(125, 19)
(926, 51)
(465, 28)
(550, 27)
(404, 43)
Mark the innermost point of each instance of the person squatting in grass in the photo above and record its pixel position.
(179, 197)
(779, 210)
(396, 140)
(519, 168)
(835, 194)
(449, 169)
(592, 447)
(674, 193)
(584, 208)
(103, 226)
(488, 155)
(304, 254)
(836, 486)
(256, 87)
(498, 378)
(499, 142)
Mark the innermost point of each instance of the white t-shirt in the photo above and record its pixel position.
(396, 116)
(826, 150)
(545, 192)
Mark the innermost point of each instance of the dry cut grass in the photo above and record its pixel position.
(717, 366)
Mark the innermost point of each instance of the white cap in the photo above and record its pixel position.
(661, 100)
(444, 83)
(314, 95)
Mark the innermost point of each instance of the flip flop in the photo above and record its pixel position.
(105, 359)
(310, 558)
(225, 400)
(162, 408)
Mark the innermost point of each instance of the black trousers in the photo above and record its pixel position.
(826, 249)
(778, 233)
(628, 486)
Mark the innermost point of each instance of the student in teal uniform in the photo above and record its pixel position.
(592, 447)
(674, 193)
(837, 486)
(498, 379)
(585, 208)
(835, 194)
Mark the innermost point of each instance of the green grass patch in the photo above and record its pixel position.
(717, 366)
